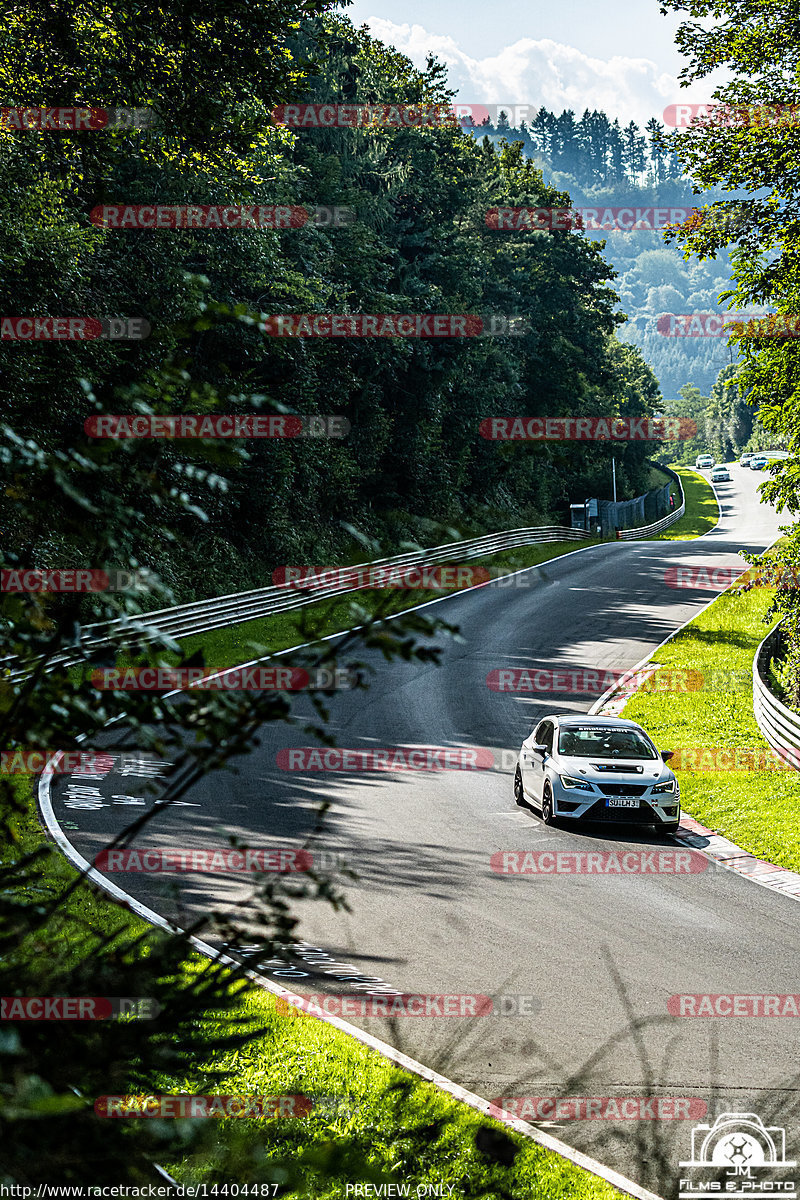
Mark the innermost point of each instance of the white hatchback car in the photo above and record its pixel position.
(583, 768)
(703, 462)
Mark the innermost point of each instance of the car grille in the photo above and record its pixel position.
(621, 789)
(643, 815)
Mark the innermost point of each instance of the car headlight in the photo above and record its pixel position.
(669, 785)
(579, 784)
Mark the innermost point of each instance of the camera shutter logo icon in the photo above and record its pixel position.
(738, 1141)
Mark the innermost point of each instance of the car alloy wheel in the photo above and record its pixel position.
(519, 794)
(547, 806)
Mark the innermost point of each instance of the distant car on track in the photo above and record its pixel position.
(581, 768)
(720, 474)
(759, 461)
(744, 461)
(703, 462)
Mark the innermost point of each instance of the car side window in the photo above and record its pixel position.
(544, 735)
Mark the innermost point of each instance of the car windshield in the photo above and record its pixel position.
(600, 741)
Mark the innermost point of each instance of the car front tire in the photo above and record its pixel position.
(547, 806)
(519, 794)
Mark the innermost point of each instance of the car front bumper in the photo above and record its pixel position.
(661, 809)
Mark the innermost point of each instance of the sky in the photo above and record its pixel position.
(619, 57)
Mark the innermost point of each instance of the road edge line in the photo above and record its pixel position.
(728, 854)
(545, 1140)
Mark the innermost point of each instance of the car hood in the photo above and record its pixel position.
(618, 770)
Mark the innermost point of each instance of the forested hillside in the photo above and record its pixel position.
(603, 165)
(413, 460)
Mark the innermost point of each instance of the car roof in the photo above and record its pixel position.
(567, 719)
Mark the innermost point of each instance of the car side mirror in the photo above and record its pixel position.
(666, 755)
(540, 749)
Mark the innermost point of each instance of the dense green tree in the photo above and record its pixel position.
(754, 153)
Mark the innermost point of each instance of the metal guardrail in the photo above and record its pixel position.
(645, 531)
(779, 725)
(219, 612)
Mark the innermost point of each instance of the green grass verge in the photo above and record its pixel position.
(757, 809)
(406, 1129)
(702, 510)
(658, 477)
(385, 1124)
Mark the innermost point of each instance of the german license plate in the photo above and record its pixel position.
(622, 802)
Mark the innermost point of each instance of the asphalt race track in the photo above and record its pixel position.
(588, 952)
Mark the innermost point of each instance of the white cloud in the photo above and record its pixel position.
(546, 73)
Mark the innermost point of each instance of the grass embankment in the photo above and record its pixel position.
(702, 510)
(757, 809)
(366, 1110)
(407, 1130)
